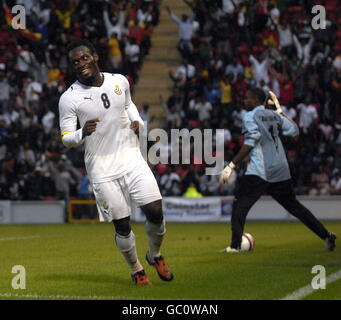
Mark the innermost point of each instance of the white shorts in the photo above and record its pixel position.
(114, 198)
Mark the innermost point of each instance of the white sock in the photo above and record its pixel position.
(127, 246)
(155, 233)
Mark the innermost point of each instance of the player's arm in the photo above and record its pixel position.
(173, 16)
(71, 137)
(289, 127)
(243, 152)
(133, 114)
(251, 136)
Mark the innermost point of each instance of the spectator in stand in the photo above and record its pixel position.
(132, 53)
(273, 16)
(204, 108)
(216, 66)
(326, 131)
(336, 90)
(237, 116)
(33, 92)
(64, 13)
(48, 120)
(146, 39)
(186, 31)
(307, 115)
(144, 14)
(173, 117)
(144, 113)
(192, 192)
(85, 193)
(240, 88)
(320, 181)
(25, 62)
(4, 90)
(176, 99)
(115, 54)
(285, 36)
(114, 21)
(64, 176)
(209, 185)
(226, 100)
(170, 183)
(184, 73)
(235, 68)
(136, 31)
(335, 183)
(260, 67)
(303, 48)
(212, 93)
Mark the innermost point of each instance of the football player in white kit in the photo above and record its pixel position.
(119, 175)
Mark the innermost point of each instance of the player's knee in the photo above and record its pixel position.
(122, 226)
(153, 212)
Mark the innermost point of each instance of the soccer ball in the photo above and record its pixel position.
(248, 242)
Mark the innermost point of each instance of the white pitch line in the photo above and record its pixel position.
(308, 289)
(65, 297)
(18, 238)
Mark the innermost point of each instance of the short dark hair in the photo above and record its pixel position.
(78, 43)
(259, 94)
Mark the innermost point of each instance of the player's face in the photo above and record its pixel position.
(250, 102)
(84, 63)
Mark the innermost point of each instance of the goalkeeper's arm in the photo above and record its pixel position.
(274, 101)
(243, 152)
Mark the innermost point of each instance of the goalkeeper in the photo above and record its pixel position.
(268, 170)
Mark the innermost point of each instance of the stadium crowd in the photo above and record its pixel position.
(34, 165)
(226, 46)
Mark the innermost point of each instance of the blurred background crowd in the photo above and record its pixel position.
(225, 46)
(34, 164)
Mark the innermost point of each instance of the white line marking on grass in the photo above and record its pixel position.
(19, 238)
(308, 289)
(65, 297)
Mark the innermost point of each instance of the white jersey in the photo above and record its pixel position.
(113, 149)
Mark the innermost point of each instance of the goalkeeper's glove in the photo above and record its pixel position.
(225, 174)
(274, 101)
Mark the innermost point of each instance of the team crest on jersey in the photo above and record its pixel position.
(105, 207)
(118, 90)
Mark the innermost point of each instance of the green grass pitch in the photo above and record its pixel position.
(81, 261)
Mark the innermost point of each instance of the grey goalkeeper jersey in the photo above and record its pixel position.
(261, 129)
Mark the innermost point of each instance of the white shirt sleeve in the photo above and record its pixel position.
(130, 106)
(71, 137)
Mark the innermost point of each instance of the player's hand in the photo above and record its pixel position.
(225, 174)
(274, 101)
(135, 126)
(90, 127)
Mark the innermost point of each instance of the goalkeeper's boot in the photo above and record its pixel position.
(330, 242)
(161, 267)
(229, 250)
(140, 278)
